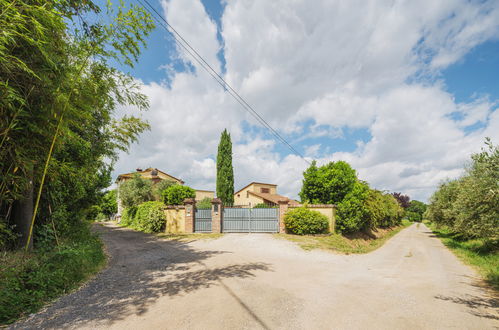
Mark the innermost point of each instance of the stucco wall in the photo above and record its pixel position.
(175, 220)
(201, 194)
(245, 200)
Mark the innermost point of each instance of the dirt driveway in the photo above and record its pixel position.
(247, 281)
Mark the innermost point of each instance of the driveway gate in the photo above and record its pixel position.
(202, 221)
(259, 220)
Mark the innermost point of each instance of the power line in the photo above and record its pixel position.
(212, 72)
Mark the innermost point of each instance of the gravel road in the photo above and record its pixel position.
(254, 281)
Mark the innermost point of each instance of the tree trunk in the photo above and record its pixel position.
(22, 214)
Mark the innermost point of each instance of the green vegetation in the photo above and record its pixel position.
(225, 172)
(347, 244)
(150, 217)
(60, 136)
(415, 211)
(159, 187)
(482, 254)
(135, 191)
(358, 207)
(302, 221)
(264, 206)
(28, 282)
(205, 203)
(469, 206)
(176, 194)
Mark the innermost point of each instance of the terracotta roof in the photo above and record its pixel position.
(274, 198)
(130, 175)
(267, 184)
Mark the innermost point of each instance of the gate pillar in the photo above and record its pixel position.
(283, 208)
(216, 215)
(190, 214)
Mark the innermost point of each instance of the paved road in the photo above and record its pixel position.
(254, 281)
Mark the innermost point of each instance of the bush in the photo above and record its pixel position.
(175, 195)
(205, 203)
(159, 187)
(135, 191)
(302, 221)
(351, 211)
(150, 217)
(128, 216)
(415, 211)
(469, 206)
(264, 206)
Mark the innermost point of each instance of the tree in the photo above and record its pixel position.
(159, 187)
(469, 206)
(109, 205)
(403, 200)
(58, 93)
(415, 210)
(225, 172)
(176, 194)
(135, 191)
(328, 184)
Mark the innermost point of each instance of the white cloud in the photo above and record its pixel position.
(332, 65)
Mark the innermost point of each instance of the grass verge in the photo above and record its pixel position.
(481, 254)
(189, 237)
(28, 282)
(358, 243)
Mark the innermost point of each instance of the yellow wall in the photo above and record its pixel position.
(175, 220)
(243, 198)
(246, 199)
(202, 194)
(329, 212)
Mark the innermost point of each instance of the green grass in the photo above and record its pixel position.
(358, 243)
(481, 254)
(189, 237)
(28, 282)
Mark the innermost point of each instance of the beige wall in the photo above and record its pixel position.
(328, 211)
(175, 220)
(257, 186)
(243, 198)
(202, 194)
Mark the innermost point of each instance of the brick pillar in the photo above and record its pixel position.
(190, 214)
(216, 215)
(283, 208)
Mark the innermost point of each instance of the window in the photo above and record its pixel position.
(265, 190)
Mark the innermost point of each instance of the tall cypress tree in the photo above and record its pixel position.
(225, 172)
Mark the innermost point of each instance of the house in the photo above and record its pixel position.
(259, 193)
(156, 176)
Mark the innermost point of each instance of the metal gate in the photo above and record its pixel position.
(259, 220)
(202, 221)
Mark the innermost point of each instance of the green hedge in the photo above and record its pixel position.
(150, 217)
(175, 195)
(302, 221)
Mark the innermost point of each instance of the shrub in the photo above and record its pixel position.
(205, 203)
(150, 217)
(351, 211)
(135, 191)
(415, 210)
(302, 221)
(159, 187)
(175, 195)
(264, 206)
(128, 216)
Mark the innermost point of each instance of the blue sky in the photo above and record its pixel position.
(335, 90)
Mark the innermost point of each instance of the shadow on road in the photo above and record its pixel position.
(141, 270)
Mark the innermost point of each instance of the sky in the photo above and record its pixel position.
(405, 91)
